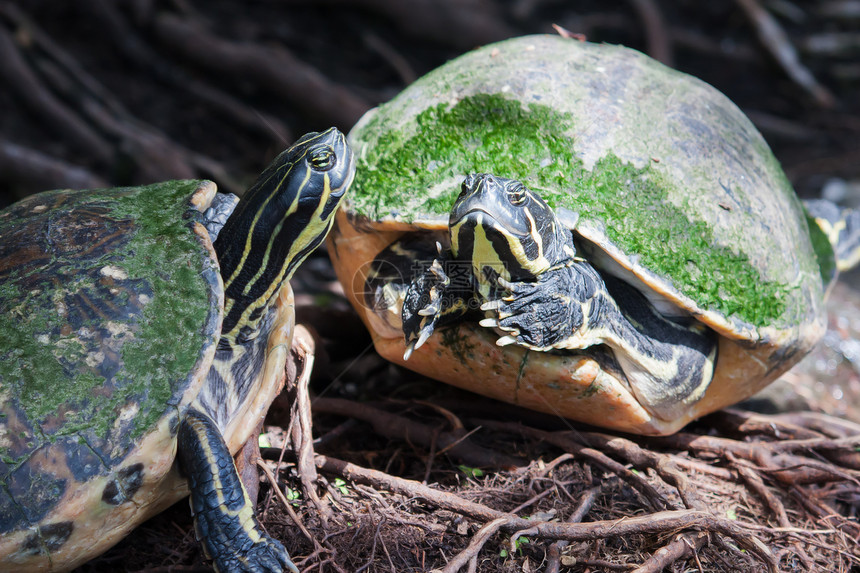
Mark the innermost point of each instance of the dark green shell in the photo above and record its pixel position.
(109, 309)
(668, 176)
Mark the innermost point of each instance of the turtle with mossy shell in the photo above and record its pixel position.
(637, 257)
(139, 351)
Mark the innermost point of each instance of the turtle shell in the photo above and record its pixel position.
(110, 308)
(674, 188)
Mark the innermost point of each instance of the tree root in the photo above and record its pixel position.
(776, 41)
(682, 547)
(18, 76)
(32, 169)
(692, 529)
(586, 501)
(459, 23)
(272, 68)
(394, 426)
(659, 522)
(135, 49)
(567, 442)
(55, 87)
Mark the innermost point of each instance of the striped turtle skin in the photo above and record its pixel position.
(524, 273)
(138, 354)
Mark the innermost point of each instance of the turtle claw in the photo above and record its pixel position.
(439, 272)
(489, 322)
(505, 284)
(428, 311)
(423, 335)
(435, 305)
(506, 340)
(492, 305)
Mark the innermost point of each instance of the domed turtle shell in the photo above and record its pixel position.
(110, 308)
(675, 190)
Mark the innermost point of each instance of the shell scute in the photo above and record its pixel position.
(34, 488)
(123, 487)
(48, 538)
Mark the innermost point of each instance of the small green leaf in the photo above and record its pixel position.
(293, 495)
(732, 514)
(341, 486)
(471, 472)
(520, 542)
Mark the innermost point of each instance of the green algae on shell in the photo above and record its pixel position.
(111, 305)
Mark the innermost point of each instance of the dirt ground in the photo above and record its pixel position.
(98, 93)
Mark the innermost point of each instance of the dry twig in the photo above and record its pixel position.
(682, 547)
(566, 441)
(659, 522)
(478, 541)
(398, 427)
(586, 500)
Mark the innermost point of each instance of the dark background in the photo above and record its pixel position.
(135, 91)
(100, 92)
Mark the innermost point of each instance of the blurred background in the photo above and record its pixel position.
(124, 92)
(121, 92)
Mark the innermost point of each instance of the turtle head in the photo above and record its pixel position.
(305, 185)
(278, 222)
(501, 224)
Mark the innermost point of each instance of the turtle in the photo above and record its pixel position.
(638, 259)
(145, 333)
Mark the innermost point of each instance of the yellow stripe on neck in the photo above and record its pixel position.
(315, 227)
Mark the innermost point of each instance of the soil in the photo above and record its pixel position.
(134, 91)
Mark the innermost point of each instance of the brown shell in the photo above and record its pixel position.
(112, 302)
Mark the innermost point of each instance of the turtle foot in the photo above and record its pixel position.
(266, 555)
(224, 518)
(539, 315)
(423, 306)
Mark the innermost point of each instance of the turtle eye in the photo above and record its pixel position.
(321, 157)
(463, 191)
(516, 194)
(468, 184)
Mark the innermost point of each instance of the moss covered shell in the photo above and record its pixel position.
(668, 176)
(110, 308)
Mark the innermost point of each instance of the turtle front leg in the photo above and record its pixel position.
(432, 300)
(422, 306)
(547, 313)
(224, 517)
(668, 364)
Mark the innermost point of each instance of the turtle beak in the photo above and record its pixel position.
(484, 201)
(479, 194)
